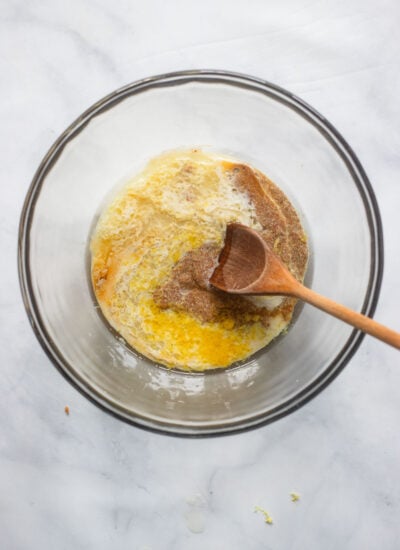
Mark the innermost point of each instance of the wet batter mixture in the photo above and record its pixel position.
(156, 245)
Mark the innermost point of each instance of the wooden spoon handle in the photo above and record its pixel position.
(348, 315)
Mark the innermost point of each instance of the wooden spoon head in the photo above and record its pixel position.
(248, 266)
(241, 261)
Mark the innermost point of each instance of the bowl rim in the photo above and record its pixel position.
(343, 150)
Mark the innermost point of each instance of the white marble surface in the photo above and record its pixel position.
(88, 480)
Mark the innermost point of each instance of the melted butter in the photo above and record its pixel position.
(181, 201)
(194, 343)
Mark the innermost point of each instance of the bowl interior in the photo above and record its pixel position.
(257, 123)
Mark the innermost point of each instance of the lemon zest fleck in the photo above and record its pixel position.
(267, 517)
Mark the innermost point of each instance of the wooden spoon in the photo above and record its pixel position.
(248, 266)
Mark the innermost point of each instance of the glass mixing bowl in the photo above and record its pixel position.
(229, 113)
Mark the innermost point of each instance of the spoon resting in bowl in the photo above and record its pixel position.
(247, 265)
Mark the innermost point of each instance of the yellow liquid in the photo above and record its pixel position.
(181, 201)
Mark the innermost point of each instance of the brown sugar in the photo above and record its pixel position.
(188, 289)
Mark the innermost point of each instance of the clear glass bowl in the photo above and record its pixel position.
(229, 113)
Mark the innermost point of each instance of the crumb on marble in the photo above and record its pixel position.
(294, 496)
(267, 517)
(66, 410)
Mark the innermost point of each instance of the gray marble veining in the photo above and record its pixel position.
(87, 480)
